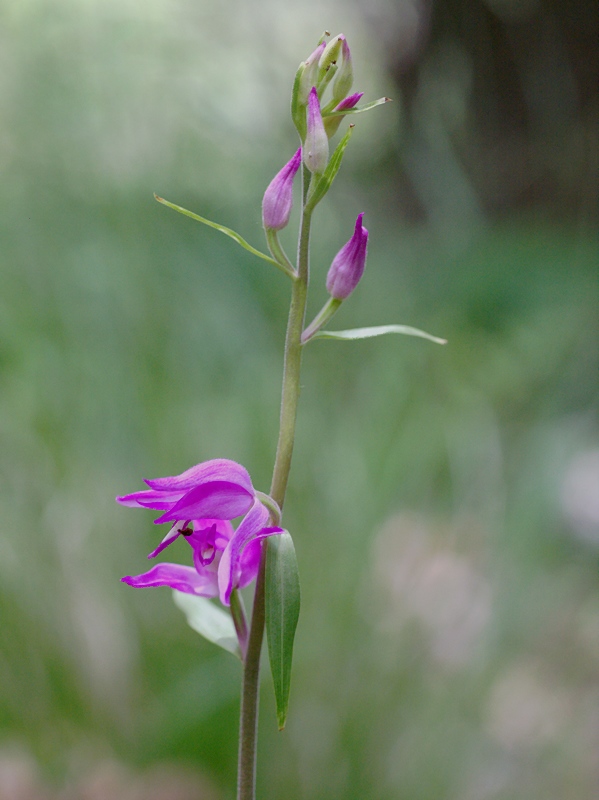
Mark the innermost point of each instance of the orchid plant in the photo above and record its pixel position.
(201, 503)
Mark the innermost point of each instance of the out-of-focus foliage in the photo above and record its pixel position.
(443, 500)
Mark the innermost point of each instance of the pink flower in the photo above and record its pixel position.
(201, 502)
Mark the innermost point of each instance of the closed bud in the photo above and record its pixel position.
(344, 79)
(316, 145)
(278, 198)
(348, 265)
(331, 52)
(331, 123)
(309, 73)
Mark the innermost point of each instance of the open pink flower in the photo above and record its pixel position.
(201, 502)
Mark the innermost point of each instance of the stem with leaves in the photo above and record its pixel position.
(246, 781)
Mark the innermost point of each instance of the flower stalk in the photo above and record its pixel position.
(248, 729)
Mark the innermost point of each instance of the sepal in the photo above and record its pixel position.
(210, 621)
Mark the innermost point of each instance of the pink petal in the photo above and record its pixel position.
(217, 499)
(229, 569)
(185, 579)
(170, 537)
(148, 498)
(218, 469)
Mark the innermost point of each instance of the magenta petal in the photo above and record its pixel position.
(184, 579)
(218, 469)
(349, 102)
(250, 557)
(249, 562)
(148, 498)
(219, 499)
(170, 537)
(229, 569)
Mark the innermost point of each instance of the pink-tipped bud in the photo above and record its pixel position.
(348, 265)
(316, 145)
(278, 198)
(309, 73)
(332, 123)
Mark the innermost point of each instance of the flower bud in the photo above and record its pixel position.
(344, 78)
(331, 123)
(316, 145)
(330, 54)
(309, 72)
(348, 265)
(278, 198)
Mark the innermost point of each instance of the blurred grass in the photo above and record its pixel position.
(448, 639)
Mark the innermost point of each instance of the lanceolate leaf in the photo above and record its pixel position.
(212, 622)
(380, 330)
(282, 612)
(227, 231)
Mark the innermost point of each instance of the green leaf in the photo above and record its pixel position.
(379, 330)
(322, 185)
(227, 231)
(282, 612)
(212, 622)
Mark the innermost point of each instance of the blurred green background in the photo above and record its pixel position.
(444, 501)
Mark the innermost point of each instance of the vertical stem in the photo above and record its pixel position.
(248, 727)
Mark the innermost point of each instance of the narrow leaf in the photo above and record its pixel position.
(282, 612)
(212, 622)
(227, 231)
(323, 184)
(380, 330)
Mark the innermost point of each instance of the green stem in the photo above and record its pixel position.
(248, 730)
(278, 253)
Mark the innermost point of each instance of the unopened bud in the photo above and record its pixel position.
(278, 198)
(344, 79)
(309, 73)
(331, 53)
(331, 123)
(348, 265)
(316, 145)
